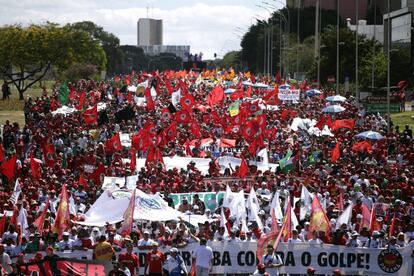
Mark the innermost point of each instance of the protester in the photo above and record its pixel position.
(174, 264)
(303, 148)
(155, 260)
(203, 256)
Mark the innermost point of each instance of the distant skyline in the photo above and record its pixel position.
(208, 26)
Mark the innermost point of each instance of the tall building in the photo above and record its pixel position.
(402, 29)
(149, 32)
(347, 8)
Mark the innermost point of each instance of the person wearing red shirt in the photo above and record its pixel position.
(130, 260)
(155, 259)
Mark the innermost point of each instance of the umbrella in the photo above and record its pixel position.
(336, 98)
(284, 86)
(260, 85)
(229, 90)
(313, 92)
(333, 109)
(372, 135)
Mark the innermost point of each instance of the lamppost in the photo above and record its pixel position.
(388, 66)
(337, 47)
(263, 22)
(356, 53)
(298, 40)
(373, 46)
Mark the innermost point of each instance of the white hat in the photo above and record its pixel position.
(146, 232)
(95, 229)
(65, 234)
(174, 250)
(359, 216)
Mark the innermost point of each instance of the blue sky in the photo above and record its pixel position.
(208, 26)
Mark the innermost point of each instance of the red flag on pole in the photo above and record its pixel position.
(374, 224)
(90, 116)
(128, 216)
(148, 98)
(8, 168)
(392, 226)
(82, 181)
(243, 169)
(215, 96)
(35, 167)
(114, 144)
(336, 153)
(40, 220)
(133, 162)
(62, 220)
(338, 124)
(318, 219)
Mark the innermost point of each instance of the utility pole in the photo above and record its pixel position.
(356, 53)
(337, 47)
(317, 42)
(298, 42)
(388, 67)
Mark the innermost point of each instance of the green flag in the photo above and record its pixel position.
(286, 163)
(64, 94)
(234, 108)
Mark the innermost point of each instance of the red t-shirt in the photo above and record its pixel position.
(154, 261)
(131, 261)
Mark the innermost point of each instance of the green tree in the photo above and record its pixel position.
(346, 56)
(27, 54)
(231, 59)
(108, 41)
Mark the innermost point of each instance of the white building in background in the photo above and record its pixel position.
(150, 39)
(368, 30)
(149, 32)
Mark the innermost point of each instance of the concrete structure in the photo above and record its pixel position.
(179, 50)
(149, 32)
(402, 28)
(368, 30)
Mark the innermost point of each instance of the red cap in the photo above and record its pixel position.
(261, 266)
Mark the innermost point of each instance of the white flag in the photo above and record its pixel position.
(253, 206)
(72, 209)
(16, 192)
(276, 206)
(228, 197)
(306, 203)
(223, 222)
(345, 217)
(238, 207)
(175, 97)
(265, 157)
(22, 221)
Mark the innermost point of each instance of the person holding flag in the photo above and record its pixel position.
(174, 265)
(272, 261)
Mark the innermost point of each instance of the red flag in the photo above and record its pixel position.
(81, 101)
(62, 220)
(272, 97)
(362, 147)
(165, 115)
(82, 181)
(249, 91)
(392, 226)
(195, 129)
(340, 203)
(278, 77)
(148, 98)
(13, 219)
(8, 168)
(141, 140)
(90, 116)
(286, 230)
(49, 151)
(336, 153)
(2, 224)
(171, 131)
(114, 144)
(243, 169)
(215, 96)
(337, 124)
(98, 175)
(38, 223)
(35, 167)
(238, 94)
(183, 116)
(248, 130)
(128, 216)
(187, 102)
(374, 224)
(154, 155)
(318, 219)
(227, 143)
(133, 162)
(188, 151)
(288, 113)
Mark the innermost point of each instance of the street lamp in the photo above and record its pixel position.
(264, 42)
(337, 47)
(356, 53)
(388, 66)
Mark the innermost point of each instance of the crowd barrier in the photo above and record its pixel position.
(240, 258)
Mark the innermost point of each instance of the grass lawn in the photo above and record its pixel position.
(403, 118)
(12, 109)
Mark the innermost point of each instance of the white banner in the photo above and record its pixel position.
(240, 257)
(289, 95)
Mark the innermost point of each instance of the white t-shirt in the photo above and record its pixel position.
(203, 255)
(274, 259)
(5, 262)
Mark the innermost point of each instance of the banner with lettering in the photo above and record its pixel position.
(289, 95)
(210, 199)
(66, 267)
(240, 257)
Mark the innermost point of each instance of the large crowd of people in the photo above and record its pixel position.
(53, 150)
